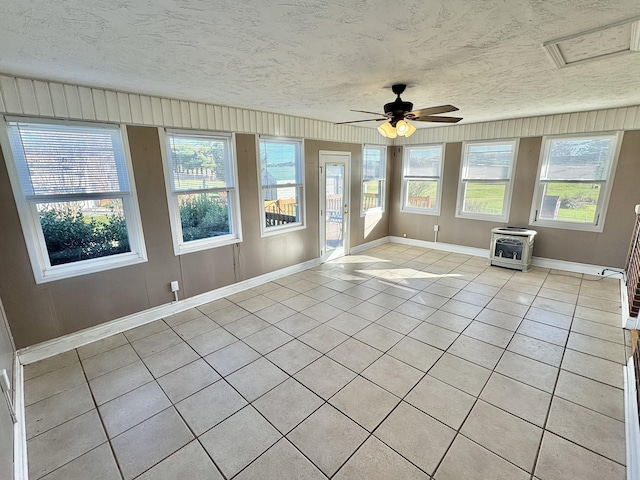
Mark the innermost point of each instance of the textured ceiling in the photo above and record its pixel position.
(318, 59)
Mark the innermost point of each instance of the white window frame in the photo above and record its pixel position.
(406, 178)
(508, 182)
(381, 181)
(605, 193)
(290, 227)
(181, 247)
(43, 271)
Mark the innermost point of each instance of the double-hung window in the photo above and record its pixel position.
(486, 180)
(74, 191)
(374, 169)
(575, 175)
(200, 172)
(422, 179)
(281, 180)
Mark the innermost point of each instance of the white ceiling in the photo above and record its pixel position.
(318, 59)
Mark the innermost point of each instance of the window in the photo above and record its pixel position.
(281, 179)
(374, 169)
(74, 191)
(574, 181)
(422, 179)
(201, 180)
(486, 180)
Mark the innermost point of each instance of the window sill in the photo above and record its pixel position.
(420, 211)
(484, 218)
(87, 267)
(372, 211)
(583, 227)
(282, 229)
(206, 244)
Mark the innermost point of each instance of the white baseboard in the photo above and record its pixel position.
(366, 246)
(631, 423)
(484, 252)
(574, 267)
(20, 465)
(447, 247)
(68, 342)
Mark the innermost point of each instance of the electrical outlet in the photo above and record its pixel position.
(174, 286)
(436, 228)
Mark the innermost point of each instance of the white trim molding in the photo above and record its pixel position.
(20, 460)
(41, 98)
(631, 423)
(77, 339)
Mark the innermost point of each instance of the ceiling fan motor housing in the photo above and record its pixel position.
(398, 108)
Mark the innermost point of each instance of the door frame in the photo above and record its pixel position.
(346, 210)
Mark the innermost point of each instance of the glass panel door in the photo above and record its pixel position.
(334, 204)
(334, 208)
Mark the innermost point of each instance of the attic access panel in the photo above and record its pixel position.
(608, 41)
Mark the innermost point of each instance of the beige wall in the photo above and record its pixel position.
(608, 248)
(42, 312)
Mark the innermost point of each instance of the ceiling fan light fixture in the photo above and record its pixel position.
(387, 130)
(405, 129)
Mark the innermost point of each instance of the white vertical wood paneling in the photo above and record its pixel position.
(226, 119)
(633, 118)
(86, 103)
(619, 118)
(125, 107)
(176, 114)
(73, 101)
(136, 109)
(10, 94)
(202, 116)
(113, 107)
(100, 105)
(147, 111)
(233, 120)
(43, 98)
(167, 113)
(194, 118)
(601, 117)
(58, 100)
(211, 117)
(51, 99)
(27, 96)
(609, 119)
(156, 111)
(185, 115)
(217, 117)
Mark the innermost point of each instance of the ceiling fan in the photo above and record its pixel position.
(398, 112)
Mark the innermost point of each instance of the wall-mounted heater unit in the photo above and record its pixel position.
(511, 247)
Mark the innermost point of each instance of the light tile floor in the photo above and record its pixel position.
(399, 363)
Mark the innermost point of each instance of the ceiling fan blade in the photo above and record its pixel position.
(431, 118)
(431, 111)
(367, 120)
(373, 113)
